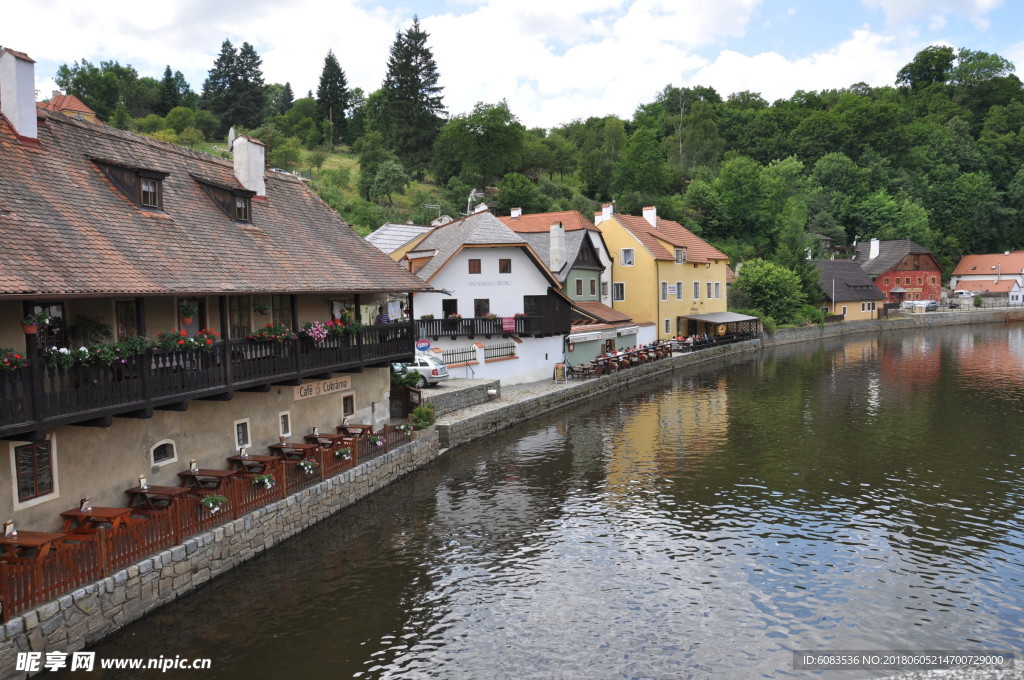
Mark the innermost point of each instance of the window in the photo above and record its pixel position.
(141, 186)
(679, 290)
(284, 420)
(933, 280)
(242, 439)
(348, 405)
(124, 313)
(863, 306)
(908, 280)
(504, 266)
(627, 257)
(474, 266)
(242, 208)
(604, 289)
(449, 307)
(844, 310)
(33, 464)
(709, 290)
(163, 452)
(696, 290)
(481, 307)
(886, 280)
(150, 193)
(920, 280)
(668, 326)
(618, 292)
(718, 290)
(579, 286)
(664, 290)
(240, 316)
(593, 286)
(281, 306)
(52, 333)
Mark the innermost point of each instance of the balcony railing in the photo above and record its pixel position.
(548, 324)
(37, 397)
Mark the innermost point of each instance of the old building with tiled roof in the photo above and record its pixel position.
(663, 273)
(902, 269)
(71, 106)
(186, 278)
(991, 275)
(847, 290)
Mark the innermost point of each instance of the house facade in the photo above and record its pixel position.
(847, 290)
(170, 289)
(901, 269)
(992, 275)
(501, 314)
(662, 273)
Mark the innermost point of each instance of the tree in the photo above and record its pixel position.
(411, 116)
(103, 87)
(517, 191)
(482, 145)
(122, 120)
(286, 153)
(216, 93)
(180, 118)
(317, 157)
(332, 99)
(169, 94)
(772, 289)
(190, 137)
(641, 167)
(795, 245)
(234, 88)
(389, 177)
(287, 98)
(930, 66)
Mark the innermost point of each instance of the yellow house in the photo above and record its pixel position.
(663, 273)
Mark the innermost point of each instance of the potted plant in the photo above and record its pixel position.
(308, 465)
(11, 360)
(30, 324)
(187, 310)
(272, 332)
(213, 502)
(315, 331)
(345, 453)
(426, 317)
(267, 481)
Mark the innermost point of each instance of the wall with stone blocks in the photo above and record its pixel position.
(88, 614)
(449, 402)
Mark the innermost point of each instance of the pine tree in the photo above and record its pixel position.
(287, 99)
(247, 92)
(332, 97)
(216, 96)
(169, 94)
(412, 113)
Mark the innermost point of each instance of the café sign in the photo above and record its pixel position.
(322, 388)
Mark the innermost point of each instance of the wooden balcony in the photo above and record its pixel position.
(538, 326)
(36, 398)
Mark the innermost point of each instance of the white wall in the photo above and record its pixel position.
(505, 291)
(606, 260)
(537, 359)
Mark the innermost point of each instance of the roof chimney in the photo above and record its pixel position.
(557, 255)
(516, 212)
(249, 156)
(651, 215)
(873, 249)
(18, 92)
(606, 213)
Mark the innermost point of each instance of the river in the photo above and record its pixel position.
(857, 495)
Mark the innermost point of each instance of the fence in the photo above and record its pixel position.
(87, 555)
(501, 351)
(459, 355)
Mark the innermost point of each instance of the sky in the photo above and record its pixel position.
(553, 61)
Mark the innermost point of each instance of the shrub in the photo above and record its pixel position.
(423, 416)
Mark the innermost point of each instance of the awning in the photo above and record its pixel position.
(722, 317)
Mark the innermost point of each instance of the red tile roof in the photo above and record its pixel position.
(541, 222)
(988, 265)
(67, 229)
(602, 312)
(67, 102)
(697, 249)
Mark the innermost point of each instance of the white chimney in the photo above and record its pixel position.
(605, 214)
(557, 256)
(651, 215)
(18, 92)
(873, 249)
(249, 160)
(516, 212)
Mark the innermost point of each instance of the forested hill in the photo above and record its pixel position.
(937, 157)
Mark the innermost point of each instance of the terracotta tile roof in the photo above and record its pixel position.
(68, 102)
(541, 222)
(673, 233)
(68, 230)
(1005, 264)
(602, 312)
(1003, 285)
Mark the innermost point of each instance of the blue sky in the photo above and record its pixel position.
(553, 60)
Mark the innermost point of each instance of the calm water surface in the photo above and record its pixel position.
(858, 495)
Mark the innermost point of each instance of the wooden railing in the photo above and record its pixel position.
(551, 324)
(37, 397)
(85, 557)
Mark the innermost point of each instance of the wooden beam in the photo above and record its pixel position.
(30, 436)
(179, 406)
(102, 421)
(141, 413)
(256, 388)
(220, 396)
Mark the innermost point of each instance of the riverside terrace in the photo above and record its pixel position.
(36, 397)
(95, 542)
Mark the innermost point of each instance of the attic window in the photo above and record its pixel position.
(233, 200)
(142, 186)
(680, 255)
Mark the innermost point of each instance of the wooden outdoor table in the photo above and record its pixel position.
(327, 439)
(205, 478)
(259, 465)
(16, 546)
(155, 497)
(293, 450)
(79, 520)
(355, 430)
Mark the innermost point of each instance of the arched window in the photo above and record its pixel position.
(163, 452)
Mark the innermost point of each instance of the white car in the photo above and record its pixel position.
(963, 293)
(431, 369)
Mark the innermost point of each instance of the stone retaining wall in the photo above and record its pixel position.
(454, 400)
(88, 614)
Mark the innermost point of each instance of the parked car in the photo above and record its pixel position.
(929, 305)
(431, 369)
(963, 293)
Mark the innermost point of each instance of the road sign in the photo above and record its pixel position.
(422, 345)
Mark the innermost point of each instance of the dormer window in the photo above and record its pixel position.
(235, 201)
(142, 186)
(680, 255)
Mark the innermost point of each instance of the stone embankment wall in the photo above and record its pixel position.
(88, 614)
(450, 401)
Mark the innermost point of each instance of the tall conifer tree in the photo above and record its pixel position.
(332, 97)
(413, 112)
(169, 94)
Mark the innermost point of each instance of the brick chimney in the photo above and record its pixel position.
(18, 92)
(249, 157)
(557, 255)
(651, 215)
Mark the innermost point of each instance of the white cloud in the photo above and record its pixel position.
(899, 12)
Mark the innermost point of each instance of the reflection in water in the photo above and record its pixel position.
(851, 496)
